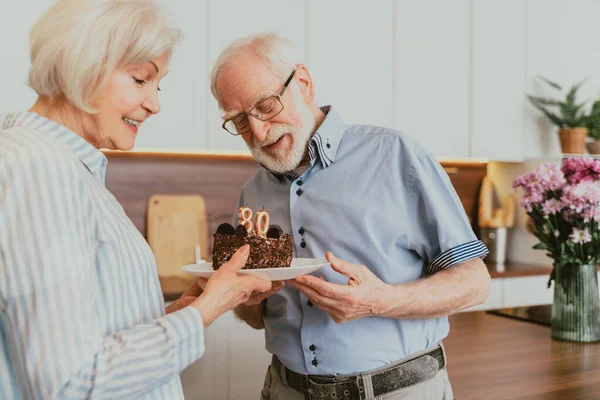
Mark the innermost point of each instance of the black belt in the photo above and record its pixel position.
(411, 372)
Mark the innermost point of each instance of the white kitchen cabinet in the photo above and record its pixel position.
(233, 366)
(248, 360)
(431, 74)
(15, 95)
(516, 292)
(558, 33)
(497, 85)
(350, 58)
(526, 291)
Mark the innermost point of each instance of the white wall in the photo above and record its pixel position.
(452, 73)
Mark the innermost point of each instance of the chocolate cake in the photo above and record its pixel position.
(273, 250)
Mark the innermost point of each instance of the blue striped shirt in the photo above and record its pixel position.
(81, 310)
(372, 196)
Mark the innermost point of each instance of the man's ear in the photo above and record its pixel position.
(305, 83)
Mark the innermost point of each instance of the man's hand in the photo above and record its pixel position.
(187, 298)
(365, 295)
(251, 312)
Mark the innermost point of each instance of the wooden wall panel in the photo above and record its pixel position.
(134, 177)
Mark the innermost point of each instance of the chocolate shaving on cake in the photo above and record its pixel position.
(264, 252)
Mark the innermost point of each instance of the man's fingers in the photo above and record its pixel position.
(258, 297)
(195, 288)
(260, 285)
(238, 260)
(201, 283)
(314, 296)
(345, 268)
(342, 266)
(319, 285)
(180, 303)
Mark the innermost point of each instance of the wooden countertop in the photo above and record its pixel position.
(515, 270)
(493, 357)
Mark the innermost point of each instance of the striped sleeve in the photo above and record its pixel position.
(457, 255)
(441, 232)
(56, 342)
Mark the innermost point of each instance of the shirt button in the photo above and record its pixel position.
(303, 244)
(315, 362)
(310, 304)
(312, 347)
(301, 231)
(299, 192)
(300, 182)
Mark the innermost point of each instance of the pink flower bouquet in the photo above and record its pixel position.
(563, 203)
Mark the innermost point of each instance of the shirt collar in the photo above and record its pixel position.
(324, 143)
(92, 158)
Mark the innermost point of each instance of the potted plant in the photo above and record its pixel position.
(568, 115)
(563, 204)
(593, 125)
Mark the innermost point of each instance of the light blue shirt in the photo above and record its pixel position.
(372, 196)
(81, 310)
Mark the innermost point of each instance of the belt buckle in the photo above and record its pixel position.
(345, 388)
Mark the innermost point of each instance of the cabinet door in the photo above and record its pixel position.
(233, 19)
(497, 71)
(16, 21)
(527, 291)
(431, 74)
(558, 33)
(181, 123)
(350, 53)
(208, 377)
(248, 360)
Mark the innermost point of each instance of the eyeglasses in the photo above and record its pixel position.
(264, 110)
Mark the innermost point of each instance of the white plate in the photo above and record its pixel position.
(300, 266)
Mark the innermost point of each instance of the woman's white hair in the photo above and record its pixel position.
(77, 44)
(279, 53)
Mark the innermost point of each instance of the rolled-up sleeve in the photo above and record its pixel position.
(441, 232)
(50, 315)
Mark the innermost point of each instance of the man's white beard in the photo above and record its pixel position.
(286, 159)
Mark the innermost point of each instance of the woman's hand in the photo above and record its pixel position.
(227, 289)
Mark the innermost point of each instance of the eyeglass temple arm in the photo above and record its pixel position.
(285, 85)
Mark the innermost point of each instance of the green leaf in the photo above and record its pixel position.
(570, 113)
(543, 101)
(553, 84)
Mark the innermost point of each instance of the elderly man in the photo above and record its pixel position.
(371, 325)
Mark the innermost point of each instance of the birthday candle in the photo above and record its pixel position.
(261, 223)
(245, 218)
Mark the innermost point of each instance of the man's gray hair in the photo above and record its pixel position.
(278, 53)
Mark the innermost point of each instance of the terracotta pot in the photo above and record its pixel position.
(572, 140)
(593, 146)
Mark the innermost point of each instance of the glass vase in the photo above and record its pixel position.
(576, 307)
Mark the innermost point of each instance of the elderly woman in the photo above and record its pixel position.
(81, 311)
